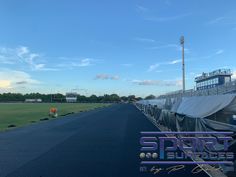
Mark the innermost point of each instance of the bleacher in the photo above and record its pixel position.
(229, 87)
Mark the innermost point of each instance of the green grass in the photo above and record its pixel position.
(20, 114)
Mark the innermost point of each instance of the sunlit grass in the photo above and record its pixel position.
(20, 114)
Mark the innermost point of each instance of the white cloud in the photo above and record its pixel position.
(223, 20)
(158, 71)
(211, 55)
(156, 65)
(147, 82)
(22, 56)
(141, 8)
(148, 16)
(216, 20)
(144, 39)
(234, 75)
(174, 62)
(21, 51)
(165, 19)
(39, 66)
(7, 56)
(127, 64)
(74, 62)
(85, 62)
(167, 83)
(114, 77)
(186, 50)
(11, 79)
(106, 77)
(192, 73)
(153, 67)
(5, 84)
(165, 46)
(219, 52)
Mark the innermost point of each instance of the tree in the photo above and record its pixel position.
(114, 98)
(93, 98)
(131, 98)
(149, 97)
(124, 98)
(57, 97)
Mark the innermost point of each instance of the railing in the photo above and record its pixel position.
(214, 73)
(229, 87)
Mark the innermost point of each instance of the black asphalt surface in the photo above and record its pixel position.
(98, 143)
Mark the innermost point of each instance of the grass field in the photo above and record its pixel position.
(19, 114)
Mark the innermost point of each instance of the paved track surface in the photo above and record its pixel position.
(99, 143)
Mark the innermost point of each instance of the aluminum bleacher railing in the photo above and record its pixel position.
(222, 89)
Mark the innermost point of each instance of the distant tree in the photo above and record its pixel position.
(57, 97)
(114, 98)
(93, 98)
(131, 98)
(124, 98)
(100, 99)
(82, 98)
(11, 97)
(149, 97)
(138, 98)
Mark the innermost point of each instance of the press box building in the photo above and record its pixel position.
(213, 79)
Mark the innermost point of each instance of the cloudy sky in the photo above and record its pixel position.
(108, 46)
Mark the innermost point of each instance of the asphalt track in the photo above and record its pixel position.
(98, 143)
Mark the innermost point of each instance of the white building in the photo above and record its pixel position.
(71, 97)
(39, 100)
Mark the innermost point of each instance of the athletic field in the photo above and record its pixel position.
(19, 114)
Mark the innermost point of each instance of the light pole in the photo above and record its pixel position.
(183, 64)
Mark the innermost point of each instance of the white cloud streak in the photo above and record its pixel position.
(234, 75)
(174, 62)
(168, 83)
(223, 20)
(11, 79)
(218, 52)
(166, 19)
(141, 9)
(155, 66)
(74, 63)
(22, 55)
(106, 77)
(127, 64)
(149, 17)
(37, 62)
(140, 39)
(85, 62)
(216, 20)
(165, 46)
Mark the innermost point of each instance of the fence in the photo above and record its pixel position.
(221, 89)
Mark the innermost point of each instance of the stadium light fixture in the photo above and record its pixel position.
(183, 63)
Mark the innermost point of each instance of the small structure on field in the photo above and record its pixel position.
(71, 97)
(53, 112)
(37, 100)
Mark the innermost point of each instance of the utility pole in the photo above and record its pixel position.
(51, 97)
(183, 63)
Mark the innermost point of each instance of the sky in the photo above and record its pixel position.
(107, 46)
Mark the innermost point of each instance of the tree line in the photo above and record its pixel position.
(18, 97)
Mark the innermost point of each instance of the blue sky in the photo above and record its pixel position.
(123, 47)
